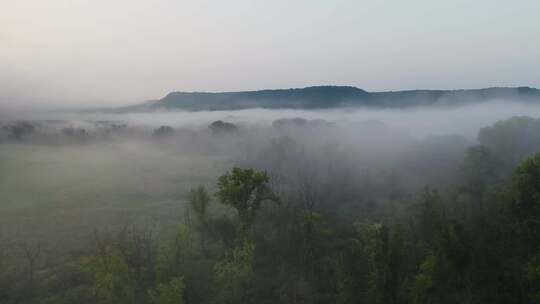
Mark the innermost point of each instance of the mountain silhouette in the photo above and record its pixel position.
(324, 97)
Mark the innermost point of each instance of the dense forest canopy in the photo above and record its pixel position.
(300, 211)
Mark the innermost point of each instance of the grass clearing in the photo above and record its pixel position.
(58, 194)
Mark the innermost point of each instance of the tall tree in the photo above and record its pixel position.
(245, 190)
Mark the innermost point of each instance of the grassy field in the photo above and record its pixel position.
(58, 195)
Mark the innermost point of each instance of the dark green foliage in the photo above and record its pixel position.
(473, 242)
(480, 170)
(525, 191)
(512, 140)
(115, 282)
(245, 190)
(168, 293)
(233, 275)
(199, 199)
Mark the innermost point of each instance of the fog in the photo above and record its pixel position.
(65, 175)
(387, 177)
(423, 146)
(416, 122)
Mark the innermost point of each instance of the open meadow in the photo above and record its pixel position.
(58, 194)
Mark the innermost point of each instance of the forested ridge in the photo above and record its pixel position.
(269, 230)
(323, 97)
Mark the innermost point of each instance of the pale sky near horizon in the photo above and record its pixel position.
(112, 52)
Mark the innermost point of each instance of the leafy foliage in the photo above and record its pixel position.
(245, 190)
(383, 246)
(233, 275)
(199, 199)
(168, 293)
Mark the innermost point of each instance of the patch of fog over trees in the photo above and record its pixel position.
(342, 149)
(292, 150)
(335, 209)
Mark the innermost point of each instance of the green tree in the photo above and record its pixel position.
(234, 274)
(245, 190)
(123, 266)
(512, 139)
(533, 275)
(174, 257)
(385, 253)
(523, 197)
(423, 286)
(480, 172)
(171, 292)
(427, 219)
(114, 280)
(199, 199)
(525, 191)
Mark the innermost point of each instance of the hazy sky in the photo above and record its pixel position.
(114, 52)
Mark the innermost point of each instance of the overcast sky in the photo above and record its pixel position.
(111, 52)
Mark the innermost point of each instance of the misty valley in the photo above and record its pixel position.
(347, 205)
(269, 152)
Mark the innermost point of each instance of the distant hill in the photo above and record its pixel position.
(322, 97)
